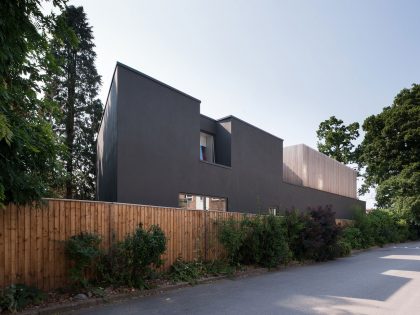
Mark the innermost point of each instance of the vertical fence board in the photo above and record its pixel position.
(44, 242)
(20, 244)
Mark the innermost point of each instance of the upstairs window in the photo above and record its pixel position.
(206, 147)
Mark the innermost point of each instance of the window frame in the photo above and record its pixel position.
(213, 160)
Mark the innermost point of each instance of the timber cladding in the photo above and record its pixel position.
(32, 238)
(305, 166)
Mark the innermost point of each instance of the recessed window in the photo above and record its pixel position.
(206, 147)
(273, 210)
(199, 202)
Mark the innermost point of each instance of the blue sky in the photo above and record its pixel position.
(283, 66)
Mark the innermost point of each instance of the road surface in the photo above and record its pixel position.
(379, 281)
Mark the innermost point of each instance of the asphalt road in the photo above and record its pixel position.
(380, 281)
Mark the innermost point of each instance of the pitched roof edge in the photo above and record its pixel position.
(155, 80)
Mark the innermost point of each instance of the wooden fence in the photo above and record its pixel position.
(32, 238)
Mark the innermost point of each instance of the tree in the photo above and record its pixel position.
(335, 139)
(390, 152)
(29, 167)
(76, 91)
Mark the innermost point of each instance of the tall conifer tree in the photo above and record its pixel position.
(76, 91)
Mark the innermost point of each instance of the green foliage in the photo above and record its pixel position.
(83, 250)
(353, 236)
(258, 240)
(218, 267)
(232, 235)
(379, 227)
(130, 261)
(335, 139)
(390, 153)
(191, 272)
(75, 89)
(342, 248)
(17, 296)
(29, 168)
(265, 243)
(295, 224)
(182, 271)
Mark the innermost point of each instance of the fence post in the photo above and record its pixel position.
(206, 213)
(111, 216)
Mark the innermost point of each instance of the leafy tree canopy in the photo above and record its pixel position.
(335, 139)
(28, 147)
(390, 152)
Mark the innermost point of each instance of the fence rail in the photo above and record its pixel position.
(32, 238)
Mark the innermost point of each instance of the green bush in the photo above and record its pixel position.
(16, 296)
(379, 227)
(295, 225)
(232, 235)
(83, 250)
(191, 272)
(265, 242)
(342, 248)
(218, 267)
(182, 271)
(130, 262)
(353, 236)
(258, 240)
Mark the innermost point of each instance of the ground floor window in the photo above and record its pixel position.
(273, 210)
(200, 202)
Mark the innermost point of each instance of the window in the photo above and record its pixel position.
(206, 147)
(198, 202)
(272, 210)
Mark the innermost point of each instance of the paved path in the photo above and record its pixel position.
(380, 281)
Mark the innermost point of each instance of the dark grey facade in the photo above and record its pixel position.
(148, 153)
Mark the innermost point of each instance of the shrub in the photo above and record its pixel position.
(353, 236)
(232, 235)
(130, 262)
(343, 248)
(265, 242)
(218, 267)
(16, 296)
(182, 271)
(321, 235)
(258, 240)
(383, 227)
(83, 250)
(190, 272)
(363, 223)
(379, 227)
(295, 225)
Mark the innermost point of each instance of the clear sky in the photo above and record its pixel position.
(283, 66)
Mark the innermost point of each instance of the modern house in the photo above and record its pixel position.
(155, 148)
